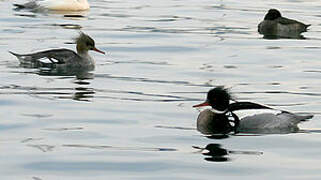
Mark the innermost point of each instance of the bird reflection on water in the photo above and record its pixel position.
(81, 76)
(79, 73)
(215, 153)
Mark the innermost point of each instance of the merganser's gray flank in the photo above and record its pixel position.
(63, 57)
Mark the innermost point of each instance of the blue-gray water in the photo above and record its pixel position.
(132, 117)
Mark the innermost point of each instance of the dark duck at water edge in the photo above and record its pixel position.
(276, 26)
(63, 57)
(243, 117)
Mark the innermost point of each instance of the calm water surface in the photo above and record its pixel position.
(132, 117)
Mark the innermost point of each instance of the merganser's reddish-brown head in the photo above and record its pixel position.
(86, 43)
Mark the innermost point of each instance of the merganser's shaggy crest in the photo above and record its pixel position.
(55, 5)
(63, 57)
(245, 117)
(276, 25)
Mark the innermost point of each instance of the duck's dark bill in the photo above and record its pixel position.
(97, 50)
(202, 104)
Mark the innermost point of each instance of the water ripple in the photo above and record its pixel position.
(141, 79)
(118, 148)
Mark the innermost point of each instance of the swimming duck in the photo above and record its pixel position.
(63, 57)
(55, 5)
(276, 25)
(245, 117)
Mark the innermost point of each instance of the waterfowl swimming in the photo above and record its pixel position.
(63, 57)
(276, 25)
(245, 117)
(55, 5)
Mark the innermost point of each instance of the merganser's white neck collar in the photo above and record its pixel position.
(218, 111)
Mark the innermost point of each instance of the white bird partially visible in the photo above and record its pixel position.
(55, 5)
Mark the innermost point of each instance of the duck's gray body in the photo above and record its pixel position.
(276, 25)
(245, 117)
(275, 121)
(264, 121)
(63, 57)
(282, 27)
(55, 57)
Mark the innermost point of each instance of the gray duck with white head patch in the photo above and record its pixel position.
(276, 25)
(63, 57)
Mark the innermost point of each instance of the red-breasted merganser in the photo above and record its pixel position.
(245, 117)
(55, 5)
(276, 25)
(63, 57)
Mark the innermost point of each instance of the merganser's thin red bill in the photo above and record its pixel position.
(97, 50)
(202, 104)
